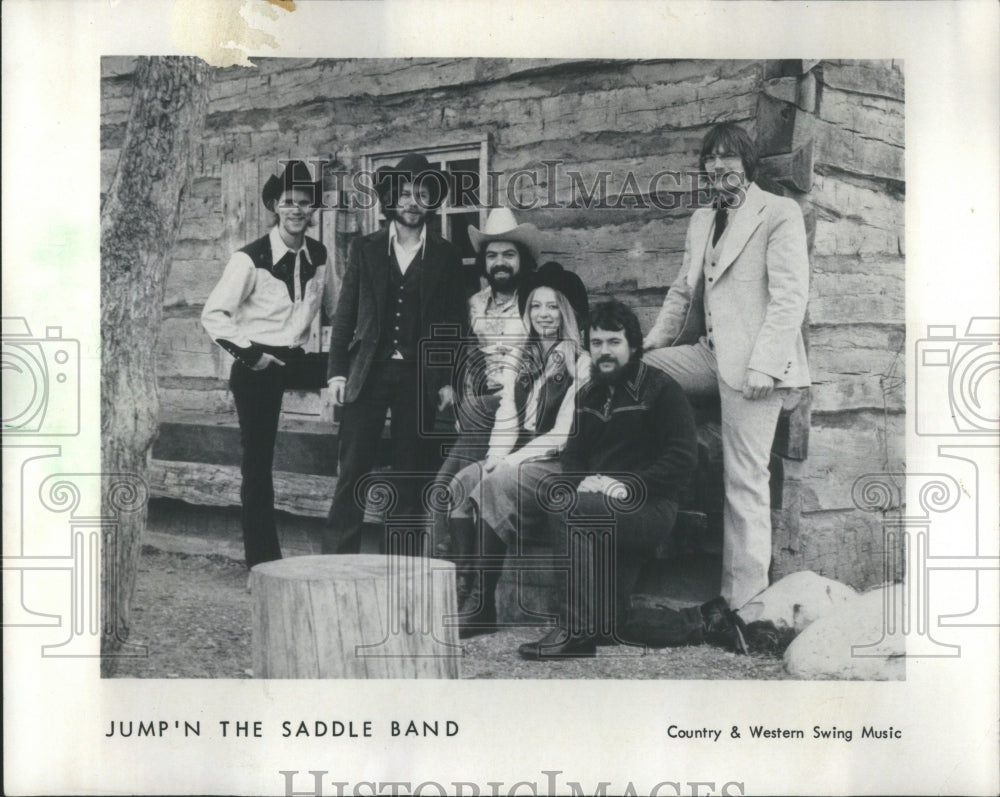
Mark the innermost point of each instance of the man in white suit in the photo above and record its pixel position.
(732, 323)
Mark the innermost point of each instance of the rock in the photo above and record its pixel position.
(851, 642)
(796, 600)
(783, 610)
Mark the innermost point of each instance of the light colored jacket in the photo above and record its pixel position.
(758, 294)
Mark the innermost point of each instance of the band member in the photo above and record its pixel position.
(532, 424)
(506, 255)
(731, 324)
(401, 288)
(260, 312)
(633, 451)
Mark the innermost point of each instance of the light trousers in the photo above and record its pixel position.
(747, 436)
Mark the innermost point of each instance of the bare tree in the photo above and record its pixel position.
(139, 222)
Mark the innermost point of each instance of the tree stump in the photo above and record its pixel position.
(356, 616)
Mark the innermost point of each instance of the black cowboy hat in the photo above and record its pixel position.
(295, 176)
(553, 275)
(411, 168)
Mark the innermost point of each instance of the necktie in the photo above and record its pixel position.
(721, 217)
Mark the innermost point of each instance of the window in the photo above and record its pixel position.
(465, 204)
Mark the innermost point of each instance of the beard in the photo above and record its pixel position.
(615, 376)
(416, 222)
(502, 279)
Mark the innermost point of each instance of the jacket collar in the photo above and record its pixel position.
(635, 378)
(745, 220)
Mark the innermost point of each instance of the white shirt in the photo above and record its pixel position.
(406, 253)
(251, 305)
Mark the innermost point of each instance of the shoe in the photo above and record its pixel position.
(559, 644)
(723, 627)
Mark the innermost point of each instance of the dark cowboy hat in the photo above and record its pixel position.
(553, 275)
(411, 168)
(295, 176)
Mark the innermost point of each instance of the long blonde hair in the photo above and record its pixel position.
(569, 341)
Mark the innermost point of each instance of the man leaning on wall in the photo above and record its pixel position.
(731, 325)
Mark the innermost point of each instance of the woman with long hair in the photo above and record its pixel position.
(533, 421)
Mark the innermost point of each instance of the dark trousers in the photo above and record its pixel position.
(607, 549)
(257, 395)
(471, 446)
(394, 387)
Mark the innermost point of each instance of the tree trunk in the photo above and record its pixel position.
(139, 222)
(355, 616)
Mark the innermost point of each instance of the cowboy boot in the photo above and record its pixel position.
(478, 610)
(461, 534)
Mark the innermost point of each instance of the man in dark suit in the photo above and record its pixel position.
(402, 288)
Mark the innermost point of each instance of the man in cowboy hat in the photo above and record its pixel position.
(402, 287)
(731, 325)
(261, 312)
(506, 255)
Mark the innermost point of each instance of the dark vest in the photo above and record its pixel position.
(400, 329)
(550, 396)
(259, 252)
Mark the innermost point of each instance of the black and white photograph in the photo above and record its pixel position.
(532, 415)
(602, 187)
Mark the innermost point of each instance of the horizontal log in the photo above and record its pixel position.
(190, 281)
(845, 546)
(793, 169)
(848, 150)
(857, 367)
(202, 219)
(837, 197)
(882, 78)
(878, 118)
(866, 442)
(219, 485)
(176, 400)
(185, 349)
(839, 298)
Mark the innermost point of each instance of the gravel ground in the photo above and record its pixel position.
(192, 612)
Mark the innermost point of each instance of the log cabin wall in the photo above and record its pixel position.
(832, 134)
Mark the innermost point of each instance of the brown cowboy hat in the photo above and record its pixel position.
(295, 176)
(411, 168)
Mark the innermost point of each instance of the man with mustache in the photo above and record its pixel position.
(261, 312)
(506, 254)
(633, 451)
(731, 326)
(402, 288)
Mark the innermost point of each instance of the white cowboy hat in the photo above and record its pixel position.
(502, 226)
